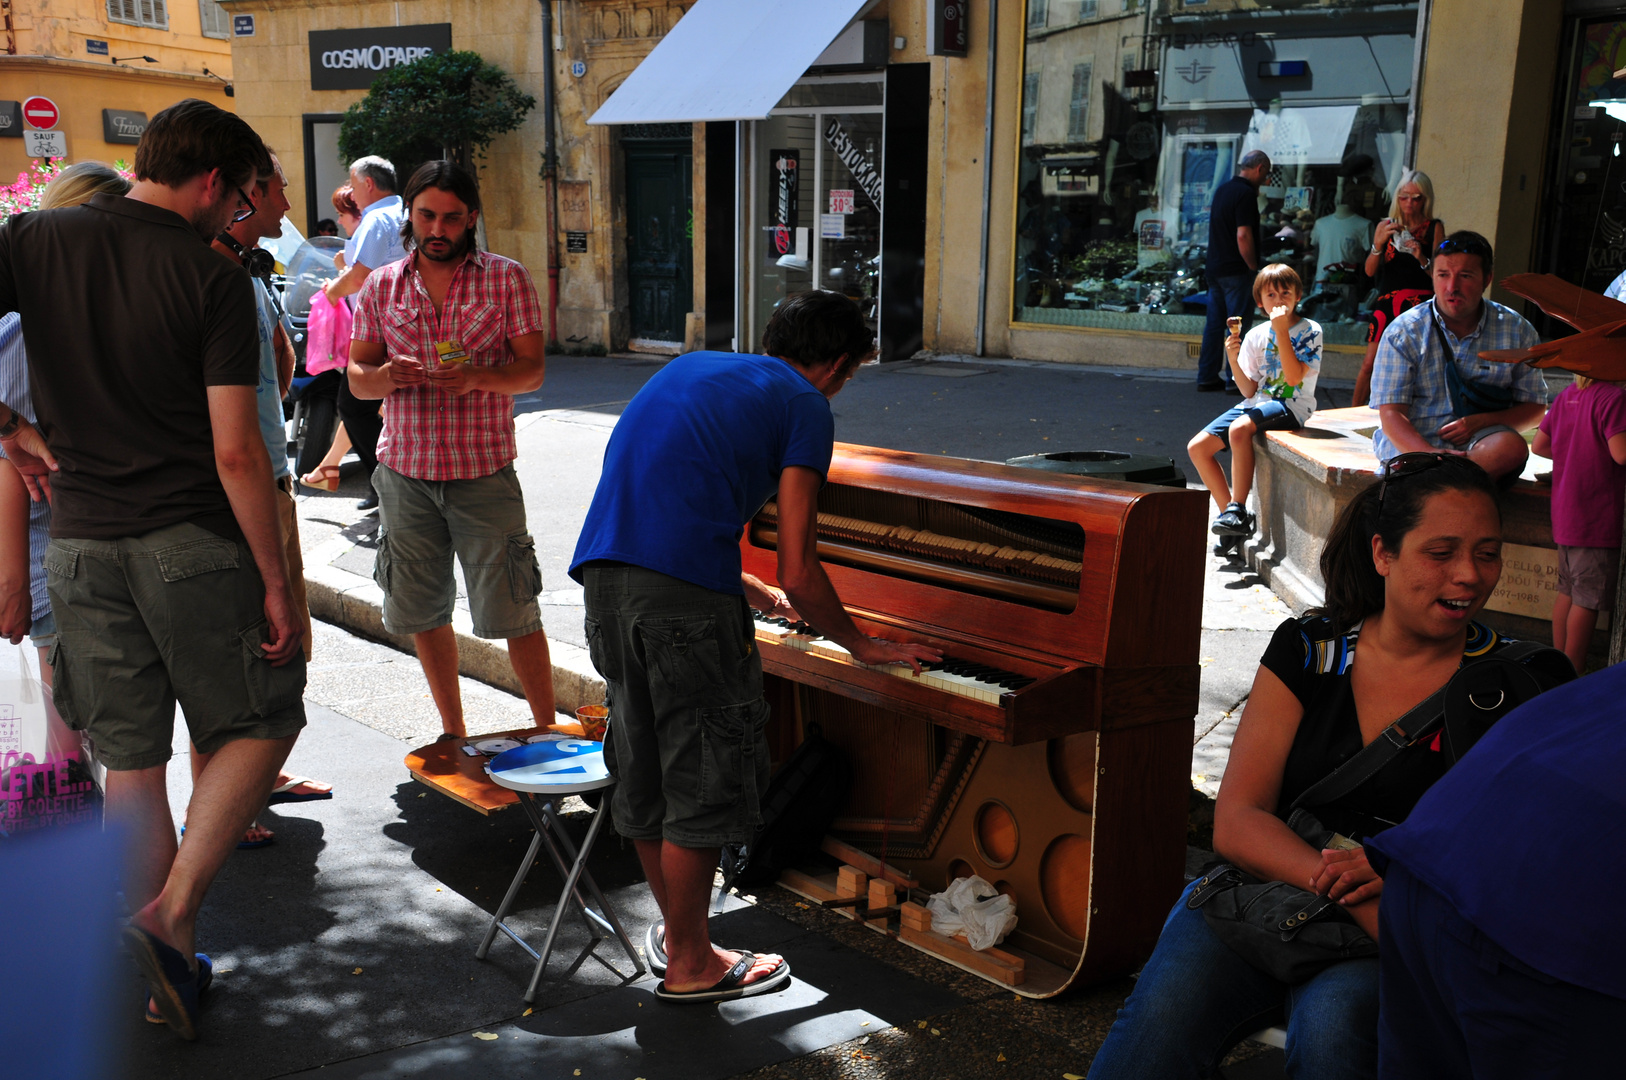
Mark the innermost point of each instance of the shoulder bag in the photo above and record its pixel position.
(1290, 933)
(1467, 396)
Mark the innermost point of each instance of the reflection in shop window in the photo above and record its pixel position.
(1079, 113)
(1116, 177)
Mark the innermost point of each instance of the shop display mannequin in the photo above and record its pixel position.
(1340, 237)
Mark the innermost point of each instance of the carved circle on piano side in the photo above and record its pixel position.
(958, 869)
(1064, 882)
(1072, 769)
(996, 835)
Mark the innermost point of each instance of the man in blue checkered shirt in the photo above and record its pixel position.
(1411, 384)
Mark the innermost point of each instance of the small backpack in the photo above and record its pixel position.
(802, 800)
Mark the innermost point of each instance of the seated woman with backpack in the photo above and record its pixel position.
(1410, 562)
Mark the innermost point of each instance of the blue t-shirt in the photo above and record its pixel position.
(694, 457)
(1520, 835)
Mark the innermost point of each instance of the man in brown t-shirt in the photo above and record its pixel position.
(166, 566)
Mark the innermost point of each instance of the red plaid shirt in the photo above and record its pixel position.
(428, 433)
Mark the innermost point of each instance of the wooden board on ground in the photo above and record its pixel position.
(444, 767)
(869, 864)
(990, 963)
(814, 887)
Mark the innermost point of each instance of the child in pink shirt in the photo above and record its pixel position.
(1584, 432)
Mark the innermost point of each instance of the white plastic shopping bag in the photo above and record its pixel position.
(47, 779)
(972, 907)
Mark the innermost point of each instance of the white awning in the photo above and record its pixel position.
(728, 60)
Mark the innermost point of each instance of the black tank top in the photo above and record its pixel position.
(1400, 270)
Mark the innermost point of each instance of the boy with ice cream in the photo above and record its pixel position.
(1275, 368)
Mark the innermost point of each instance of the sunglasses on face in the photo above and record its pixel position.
(246, 210)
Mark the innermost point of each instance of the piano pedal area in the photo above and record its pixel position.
(893, 904)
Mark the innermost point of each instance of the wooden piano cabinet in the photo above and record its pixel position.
(1070, 791)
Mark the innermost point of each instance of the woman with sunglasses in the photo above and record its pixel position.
(1402, 245)
(1410, 562)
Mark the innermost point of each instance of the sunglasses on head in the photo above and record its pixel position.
(1449, 246)
(1411, 464)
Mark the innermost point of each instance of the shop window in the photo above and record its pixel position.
(1078, 117)
(1583, 236)
(214, 19)
(1112, 208)
(153, 13)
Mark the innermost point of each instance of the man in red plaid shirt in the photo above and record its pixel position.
(447, 337)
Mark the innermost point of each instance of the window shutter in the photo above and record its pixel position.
(1078, 115)
(214, 20)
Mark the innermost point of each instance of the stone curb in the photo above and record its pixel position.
(356, 604)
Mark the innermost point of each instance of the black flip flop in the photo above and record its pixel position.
(731, 986)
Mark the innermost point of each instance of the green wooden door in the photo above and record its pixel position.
(660, 263)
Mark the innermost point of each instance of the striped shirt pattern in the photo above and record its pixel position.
(428, 433)
(1334, 656)
(14, 391)
(1410, 367)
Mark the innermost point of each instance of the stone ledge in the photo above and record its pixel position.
(1303, 479)
(357, 604)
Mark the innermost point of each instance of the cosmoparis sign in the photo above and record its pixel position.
(352, 59)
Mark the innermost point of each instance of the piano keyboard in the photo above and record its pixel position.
(965, 678)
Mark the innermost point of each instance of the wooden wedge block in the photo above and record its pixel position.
(915, 916)
(868, 863)
(851, 881)
(993, 964)
(882, 894)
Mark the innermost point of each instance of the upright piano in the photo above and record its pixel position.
(1050, 753)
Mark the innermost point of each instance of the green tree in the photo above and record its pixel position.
(451, 105)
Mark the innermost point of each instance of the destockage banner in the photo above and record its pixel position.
(352, 59)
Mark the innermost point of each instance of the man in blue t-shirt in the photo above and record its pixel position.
(705, 443)
(1233, 258)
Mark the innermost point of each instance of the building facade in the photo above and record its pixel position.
(107, 65)
(1044, 199)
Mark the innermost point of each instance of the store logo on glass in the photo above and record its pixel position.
(1195, 72)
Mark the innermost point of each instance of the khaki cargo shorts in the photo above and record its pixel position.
(175, 615)
(423, 523)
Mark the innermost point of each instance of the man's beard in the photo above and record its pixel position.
(452, 252)
(211, 222)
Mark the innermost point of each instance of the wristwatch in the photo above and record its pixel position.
(15, 421)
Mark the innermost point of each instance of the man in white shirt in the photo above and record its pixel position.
(377, 242)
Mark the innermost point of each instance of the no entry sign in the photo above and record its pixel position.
(41, 113)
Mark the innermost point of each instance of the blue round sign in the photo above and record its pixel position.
(553, 766)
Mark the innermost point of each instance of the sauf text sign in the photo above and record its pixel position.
(352, 59)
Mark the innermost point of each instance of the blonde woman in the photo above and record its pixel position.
(25, 525)
(1402, 246)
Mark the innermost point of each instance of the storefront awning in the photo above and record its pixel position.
(727, 60)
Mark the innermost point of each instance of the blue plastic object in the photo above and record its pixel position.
(560, 766)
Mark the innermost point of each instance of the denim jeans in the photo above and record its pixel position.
(1196, 999)
(1226, 296)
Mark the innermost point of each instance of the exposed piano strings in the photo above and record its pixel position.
(970, 564)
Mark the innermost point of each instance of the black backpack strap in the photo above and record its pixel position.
(1421, 722)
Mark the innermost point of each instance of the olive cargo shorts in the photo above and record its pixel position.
(688, 725)
(175, 615)
(423, 523)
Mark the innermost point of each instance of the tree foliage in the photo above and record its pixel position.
(448, 105)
